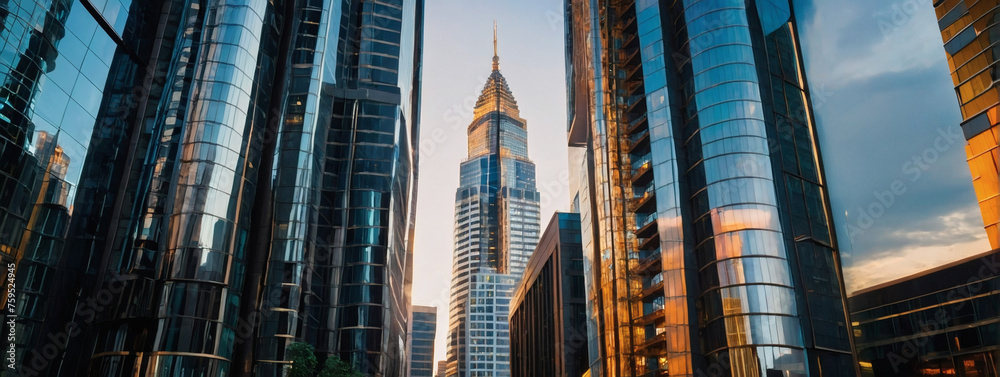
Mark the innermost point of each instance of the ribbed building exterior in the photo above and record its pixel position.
(967, 29)
(706, 227)
(191, 185)
(496, 228)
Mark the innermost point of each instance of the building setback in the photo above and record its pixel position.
(192, 185)
(944, 321)
(968, 43)
(496, 229)
(423, 320)
(706, 227)
(548, 312)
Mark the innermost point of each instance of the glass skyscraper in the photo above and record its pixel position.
(496, 228)
(423, 320)
(707, 233)
(548, 311)
(188, 186)
(969, 34)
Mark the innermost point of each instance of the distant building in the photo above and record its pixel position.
(940, 322)
(969, 38)
(496, 229)
(548, 312)
(442, 368)
(424, 320)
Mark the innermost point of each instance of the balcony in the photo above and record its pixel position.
(652, 289)
(653, 346)
(656, 316)
(638, 141)
(643, 203)
(650, 243)
(642, 171)
(650, 263)
(645, 226)
(638, 124)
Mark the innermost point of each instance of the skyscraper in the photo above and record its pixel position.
(423, 320)
(706, 227)
(193, 185)
(968, 42)
(548, 312)
(496, 228)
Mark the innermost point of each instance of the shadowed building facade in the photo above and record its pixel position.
(423, 321)
(496, 229)
(940, 322)
(706, 227)
(968, 30)
(548, 312)
(188, 186)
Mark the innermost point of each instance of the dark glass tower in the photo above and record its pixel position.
(706, 226)
(944, 321)
(188, 186)
(548, 312)
(970, 35)
(423, 320)
(496, 229)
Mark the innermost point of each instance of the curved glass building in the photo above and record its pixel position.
(706, 228)
(497, 224)
(189, 186)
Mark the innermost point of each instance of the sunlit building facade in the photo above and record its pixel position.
(940, 322)
(496, 228)
(968, 31)
(706, 228)
(189, 186)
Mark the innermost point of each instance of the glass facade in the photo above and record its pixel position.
(970, 34)
(188, 186)
(423, 320)
(548, 312)
(496, 229)
(705, 224)
(941, 322)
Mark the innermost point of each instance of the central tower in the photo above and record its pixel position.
(496, 229)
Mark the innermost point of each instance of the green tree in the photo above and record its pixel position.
(335, 367)
(303, 360)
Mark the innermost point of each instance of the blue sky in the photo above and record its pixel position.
(884, 104)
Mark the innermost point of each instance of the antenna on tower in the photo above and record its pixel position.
(496, 58)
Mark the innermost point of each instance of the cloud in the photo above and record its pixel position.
(934, 242)
(854, 40)
(889, 108)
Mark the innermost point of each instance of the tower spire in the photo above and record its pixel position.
(496, 58)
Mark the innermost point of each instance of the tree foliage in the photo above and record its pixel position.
(304, 363)
(303, 360)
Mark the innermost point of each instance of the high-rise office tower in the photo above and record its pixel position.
(496, 228)
(190, 186)
(423, 321)
(548, 312)
(968, 42)
(706, 226)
